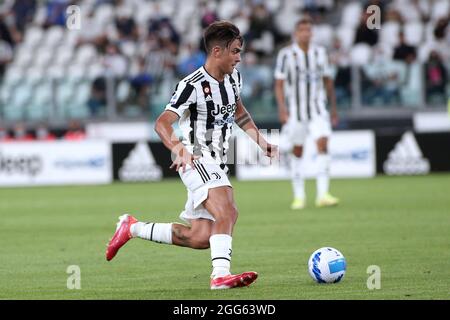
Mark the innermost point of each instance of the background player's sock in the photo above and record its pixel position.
(298, 180)
(220, 245)
(158, 232)
(323, 179)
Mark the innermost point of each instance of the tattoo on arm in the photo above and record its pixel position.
(243, 120)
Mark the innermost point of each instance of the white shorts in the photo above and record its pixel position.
(207, 175)
(295, 132)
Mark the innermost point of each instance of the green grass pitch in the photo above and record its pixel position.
(401, 224)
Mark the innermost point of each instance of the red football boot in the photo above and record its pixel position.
(234, 280)
(122, 235)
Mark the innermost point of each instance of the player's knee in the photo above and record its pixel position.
(322, 145)
(298, 151)
(322, 148)
(227, 214)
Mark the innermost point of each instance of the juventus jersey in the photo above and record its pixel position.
(303, 74)
(206, 108)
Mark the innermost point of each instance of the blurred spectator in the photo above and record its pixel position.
(364, 34)
(97, 100)
(317, 8)
(162, 29)
(6, 33)
(441, 28)
(141, 84)
(339, 58)
(194, 58)
(20, 133)
(125, 24)
(435, 79)
(97, 33)
(262, 32)
(43, 134)
(209, 16)
(4, 135)
(383, 79)
(56, 12)
(393, 15)
(115, 63)
(75, 132)
(23, 12)
(6, 56)
(403, 51)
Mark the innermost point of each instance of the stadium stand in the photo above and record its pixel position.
(127, 56)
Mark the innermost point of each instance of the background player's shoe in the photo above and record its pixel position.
(327, 201)
(297, 204)
(121, 236)
(234, 280)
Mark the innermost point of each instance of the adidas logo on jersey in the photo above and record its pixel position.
(406, 158)
(140, 165)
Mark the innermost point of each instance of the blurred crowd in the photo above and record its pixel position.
(150, 44)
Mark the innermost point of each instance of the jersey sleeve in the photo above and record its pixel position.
(239, 75)
(327, 68)
(183, 96)
(281, 66)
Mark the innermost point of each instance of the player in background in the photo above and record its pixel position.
(206, 103)
(302, 84)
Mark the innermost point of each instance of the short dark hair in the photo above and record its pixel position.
(221, 33)
(304, 20)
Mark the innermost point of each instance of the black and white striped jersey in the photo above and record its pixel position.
(206, 108)
(303, 74)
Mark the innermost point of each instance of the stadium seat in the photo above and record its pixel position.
(228, 8)
(346, 35)
(323, 34)
(95, 70)
(351, 14)
(40, 105)
(128, 48)
(389, 33)
(413, 33)
(440, 9)
(43, 57)
(123, 91)
(53, 36)
(33, 36)
(63, 55)
(104, 14)
(86, 54)
(23, 57)
(360, 54)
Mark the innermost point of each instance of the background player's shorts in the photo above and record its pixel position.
(295, 132)
(207, 175)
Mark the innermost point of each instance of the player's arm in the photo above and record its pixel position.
(283, 113)
(329, 87)
(246, 123)
(164, 128)
(281, 74)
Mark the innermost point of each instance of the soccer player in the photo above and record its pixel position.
(302, 84)
(206, 103)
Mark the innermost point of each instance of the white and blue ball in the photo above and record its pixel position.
(327, 265)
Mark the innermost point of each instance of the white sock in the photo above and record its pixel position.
(158, 232)
(298, 180)
(220, 245)
(323, 178)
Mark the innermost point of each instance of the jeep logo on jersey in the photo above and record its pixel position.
(229, 108)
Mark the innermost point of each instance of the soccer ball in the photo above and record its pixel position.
(327, 265)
